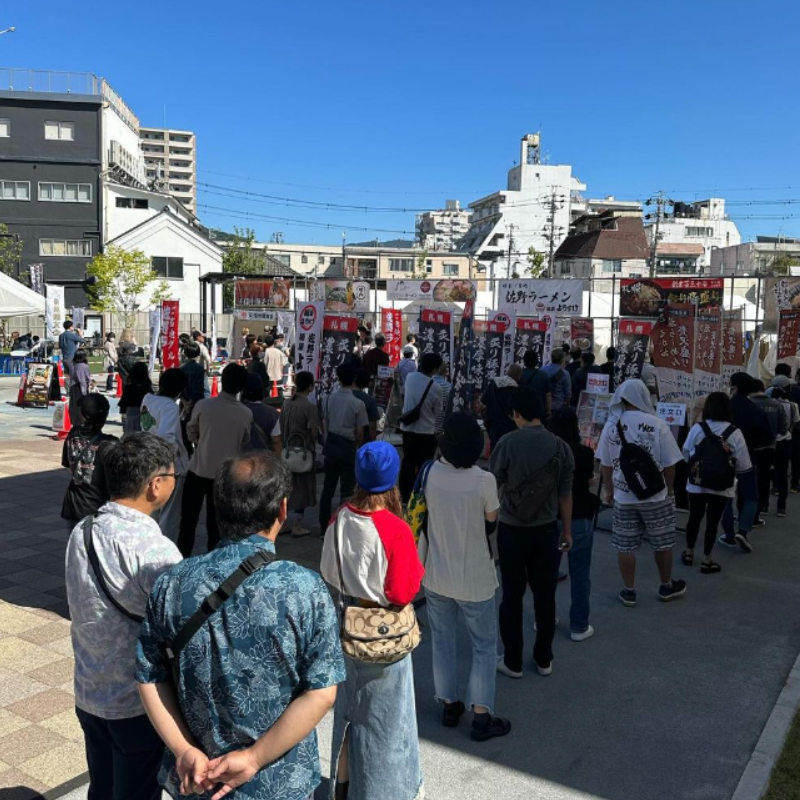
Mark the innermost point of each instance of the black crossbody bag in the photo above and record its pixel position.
(412, 415)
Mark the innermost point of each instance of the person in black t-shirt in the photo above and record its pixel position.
(608, 367)
(83, 456)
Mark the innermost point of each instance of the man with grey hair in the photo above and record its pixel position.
(113, 560)
(560, 381)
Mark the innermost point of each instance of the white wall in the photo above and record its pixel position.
(118, 220)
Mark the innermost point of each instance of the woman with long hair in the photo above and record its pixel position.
(79, 386)
(710, 503)
(584, 507)
(370, 558)
(136, 387)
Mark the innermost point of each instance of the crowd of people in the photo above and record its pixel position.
(208, 672)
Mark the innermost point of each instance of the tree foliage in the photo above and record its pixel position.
(240, 258)
(10, 251)
(121, 278)
(781, 262)
(537, 263)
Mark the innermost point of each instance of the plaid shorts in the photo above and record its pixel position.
(637, 521)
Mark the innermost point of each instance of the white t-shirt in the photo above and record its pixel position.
(647, 431)
(456, 555)
(164, 420)
(737, 445)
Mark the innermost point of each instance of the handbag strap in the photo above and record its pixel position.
(88, 542)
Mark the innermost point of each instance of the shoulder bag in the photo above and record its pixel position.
(417, 510)
(297, 457)
(526, 500)
(374, 635)
(413, 415)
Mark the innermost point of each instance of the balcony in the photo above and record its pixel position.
(124, 166)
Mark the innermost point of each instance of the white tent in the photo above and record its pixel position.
(17, 300)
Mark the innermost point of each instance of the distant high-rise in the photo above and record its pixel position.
(441, 230)
(171, 163)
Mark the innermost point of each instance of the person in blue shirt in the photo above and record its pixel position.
(537, 380)
(69, 342)
(261, 672)
(560, 381)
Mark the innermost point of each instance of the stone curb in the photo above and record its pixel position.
(755, 779)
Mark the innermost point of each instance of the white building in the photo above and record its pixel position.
(171, 162)
(125, 207)
(753, 258)
(314, 260)
(683, 233)
(534, 211)
(443, 229)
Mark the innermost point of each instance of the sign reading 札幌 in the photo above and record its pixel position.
(597, 383)
(342, 296)
(632, 344)
(170, 357)
(708, 351)
(392, 325)
(530, 334)
(436, 334)
(732, 344)
(673, 353)
(581, 333)
(648, 297)
(446, 291)
(308, 326)
(788, 332)
(262, 294)
(338, 341)
(672, 413)
(535, 297)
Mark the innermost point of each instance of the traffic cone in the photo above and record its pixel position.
(61, 420)
(62, 387)
(119, 385)
(215, 386)
(21, 392)
(274, 392)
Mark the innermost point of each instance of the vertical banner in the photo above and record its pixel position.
(673, 353)
(36, 272)
(495, 337)
(309, 334)
(708, 351)
(155, 335)
(392, 326)
(581, 333)
(507, 321)
(632, 343)
(530, 334)
(77, 317)
(460, 397)
(732, 344)
(213, 351)
(338, 341)
(170, 357)
(788, 333)
(477, 370)
(286, 326)
(436, 334)
(54, 315)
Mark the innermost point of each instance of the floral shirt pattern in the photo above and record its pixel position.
(275, 638)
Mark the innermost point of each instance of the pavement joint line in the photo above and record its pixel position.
(756, 776)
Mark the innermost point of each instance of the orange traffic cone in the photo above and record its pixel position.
(274, 392)
(62, 387)
(61, 420)
(215, 386)
(21, 392)
(119, 385)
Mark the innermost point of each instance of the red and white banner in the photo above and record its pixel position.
(788, 332)
(170, 357)
(673, 354)
(392, 328)
(708, 351)
(309, 333)
(732, 344)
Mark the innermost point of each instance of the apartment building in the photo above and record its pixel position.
(756, 258)
(382, 262)
(170, 158)
(444, 228)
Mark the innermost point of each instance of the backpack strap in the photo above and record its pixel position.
(728, 432)
(706, 428)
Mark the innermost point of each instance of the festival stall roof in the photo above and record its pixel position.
(17, 300)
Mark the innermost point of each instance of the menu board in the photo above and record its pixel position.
(592, 417)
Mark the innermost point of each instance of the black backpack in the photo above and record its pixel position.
(712, 465)
(641, 473)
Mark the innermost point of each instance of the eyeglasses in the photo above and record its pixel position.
(174, 475)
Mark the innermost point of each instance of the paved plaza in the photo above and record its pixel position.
(666, 701)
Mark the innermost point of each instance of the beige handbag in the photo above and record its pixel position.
(375, 635)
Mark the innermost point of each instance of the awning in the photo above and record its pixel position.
(17, 300)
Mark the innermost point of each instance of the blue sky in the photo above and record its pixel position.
(405, 105)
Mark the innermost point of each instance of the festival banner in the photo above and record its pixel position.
(436, 334)
(77, 315)
(708, 351)
(286, 326)
(338, 342)
(788, 333)
(780, 294)
(54, 311)
(262, 294)
(648, 297)
(530, 334)
(392, 325)
(341, 296)
(477, 370)
(581, 333)
(460, 396)
(673, 353)
(309, 333)
(732, 344)
(169, 334)
(446, 291)
(155, 336)
(632, 343)
(36, 274)
(493, 360)
(535, 297)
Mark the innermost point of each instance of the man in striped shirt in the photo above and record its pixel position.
(441, 378)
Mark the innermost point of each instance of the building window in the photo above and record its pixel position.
(401, 265)
(567, 267)
(699, 231)
(321, 260)
(15, 190)
(5, 128)
(65, 247)
(450, 269)
(304, 259)
(65, 131)
(65, 192)
(286, 260)
(168, 267)
(612, 266)
(132, 202)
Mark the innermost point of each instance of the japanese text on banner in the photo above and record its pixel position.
(392, 325)
(673, 353)
(436, 334)
(788, 333)
(338, 341)
(170, 356)
(708, 352)
(309, 330)
(562, 298)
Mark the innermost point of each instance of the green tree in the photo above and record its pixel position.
(781, 262)
(10, 251)
(241, 259)
(537, 263)
(421, 272)
(121, 277)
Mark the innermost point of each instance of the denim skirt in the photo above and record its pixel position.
(376, 710)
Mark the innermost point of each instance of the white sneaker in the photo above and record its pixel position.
(579, 636)
(548, 670)
(501, 667)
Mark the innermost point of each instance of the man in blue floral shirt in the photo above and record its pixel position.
(259, 675)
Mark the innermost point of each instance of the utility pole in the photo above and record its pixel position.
(510, 248)
(552, 204)
(660, 202)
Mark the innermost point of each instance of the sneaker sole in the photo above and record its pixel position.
(544, 671)
(508, 673)
(674, 596)
(581, 637)
(728, 543)
(484, 737)
(628, 603)
(743, 543)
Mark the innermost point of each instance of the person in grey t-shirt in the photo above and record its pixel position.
(527, 459)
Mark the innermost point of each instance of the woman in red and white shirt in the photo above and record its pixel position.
(375, 742)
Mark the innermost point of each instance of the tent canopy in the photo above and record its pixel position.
(17, 300)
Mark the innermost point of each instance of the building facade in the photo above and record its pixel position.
(170, 158)
(750, 259)
(443, 229)
(392, 263)
(314, 260)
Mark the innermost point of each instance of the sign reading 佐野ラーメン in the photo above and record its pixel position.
(308, 327)
(533, 297)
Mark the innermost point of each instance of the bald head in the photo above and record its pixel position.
(515, 372)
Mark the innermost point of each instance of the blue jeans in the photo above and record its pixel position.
(481, 622)
(747, 503)
(580, 579)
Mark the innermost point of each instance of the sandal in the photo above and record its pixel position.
(687, 558)
(709, 567)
